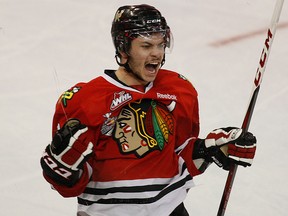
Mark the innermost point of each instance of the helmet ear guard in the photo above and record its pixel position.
(123, 44)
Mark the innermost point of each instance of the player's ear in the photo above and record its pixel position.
(123, 57)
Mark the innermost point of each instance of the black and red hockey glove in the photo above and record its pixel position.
(63, 159)
(224, 146)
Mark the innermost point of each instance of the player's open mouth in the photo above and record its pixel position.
(152, 67)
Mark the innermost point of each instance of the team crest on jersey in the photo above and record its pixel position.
(120, 98)
(142, 127)
(68, 95)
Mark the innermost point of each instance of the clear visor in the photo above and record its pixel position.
(150, 35)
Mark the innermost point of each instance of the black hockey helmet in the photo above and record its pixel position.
(131, 21)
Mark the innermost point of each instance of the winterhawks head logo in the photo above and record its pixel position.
(142, 127)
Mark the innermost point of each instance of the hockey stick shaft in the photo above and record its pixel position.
(255, 90)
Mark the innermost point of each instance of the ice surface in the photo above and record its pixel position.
(48, 45)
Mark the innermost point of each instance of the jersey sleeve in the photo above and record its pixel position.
(188, 126)
(187, 151)
(69, 106)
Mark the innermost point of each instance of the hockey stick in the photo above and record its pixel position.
(255, 90)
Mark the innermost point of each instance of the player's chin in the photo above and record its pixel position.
(150, 76)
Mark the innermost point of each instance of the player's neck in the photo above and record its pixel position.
(129, 78)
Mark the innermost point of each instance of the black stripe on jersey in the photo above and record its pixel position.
(162, 193)
(132, 189)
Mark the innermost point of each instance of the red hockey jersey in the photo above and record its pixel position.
(143, 141)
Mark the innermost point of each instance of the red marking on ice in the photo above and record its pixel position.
(240, 37)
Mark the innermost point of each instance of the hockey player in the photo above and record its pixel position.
(126, 143)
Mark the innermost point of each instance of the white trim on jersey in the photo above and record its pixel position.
(181, 147)
(120, 85)
(142, 197)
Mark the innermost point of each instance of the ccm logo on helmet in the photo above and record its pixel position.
(153, 21)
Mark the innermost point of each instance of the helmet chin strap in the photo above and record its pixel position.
(128, 68)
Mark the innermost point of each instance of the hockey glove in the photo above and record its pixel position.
(225, 146)
(64, 157)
